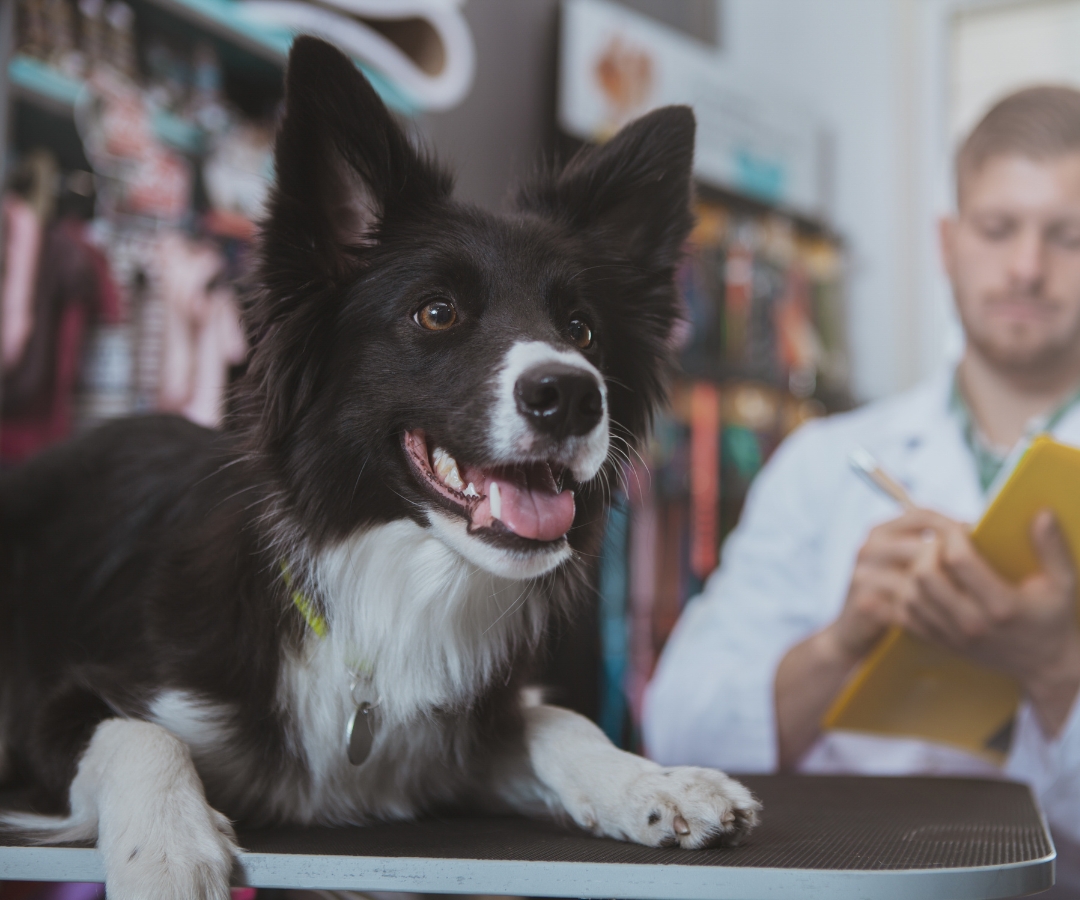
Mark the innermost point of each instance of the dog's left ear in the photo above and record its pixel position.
(634, 190)
(345, 177)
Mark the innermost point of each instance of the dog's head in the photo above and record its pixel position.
(417, 357)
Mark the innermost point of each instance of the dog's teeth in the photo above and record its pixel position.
(470, 491)
(447, 470)
(495, 500)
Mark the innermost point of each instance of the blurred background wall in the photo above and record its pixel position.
(137, 140)
(507, 123)
(842, 58)
(894, 81)
(891, 81)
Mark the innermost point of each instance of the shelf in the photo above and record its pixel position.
(745, 203)
(225, 19)
(42, 85)
(47, 88)
(50, 89)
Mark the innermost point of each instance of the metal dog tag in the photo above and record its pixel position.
(360, 735)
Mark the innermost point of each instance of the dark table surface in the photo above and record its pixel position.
(840, 825)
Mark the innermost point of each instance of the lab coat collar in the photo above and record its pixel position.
(1068, 429)
(919, 441)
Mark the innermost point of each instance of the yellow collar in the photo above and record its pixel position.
(303, 603)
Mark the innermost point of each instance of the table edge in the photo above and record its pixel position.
(633, 881)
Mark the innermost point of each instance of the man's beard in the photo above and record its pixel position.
(1028, 360)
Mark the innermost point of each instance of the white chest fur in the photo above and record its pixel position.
(426, 629)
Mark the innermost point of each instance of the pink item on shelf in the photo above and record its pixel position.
(74, 285)
(220, 344)
(119, 140)
(122, 128)
(185, 270)
(20, 274)
(704, 478)
(799, 346)
(160, 185)
(202, 334)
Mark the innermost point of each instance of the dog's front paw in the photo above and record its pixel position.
(687, 807)
(186, 852)
(617, 794)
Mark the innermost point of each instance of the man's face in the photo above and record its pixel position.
(1013, 256)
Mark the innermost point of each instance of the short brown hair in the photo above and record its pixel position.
(1036, 122)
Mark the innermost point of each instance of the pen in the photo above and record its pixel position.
(864, 464)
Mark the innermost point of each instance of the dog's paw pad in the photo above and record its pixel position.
(693, 808)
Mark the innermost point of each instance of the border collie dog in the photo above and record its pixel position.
(323, 613)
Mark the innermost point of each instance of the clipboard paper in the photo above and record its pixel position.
(910, 688)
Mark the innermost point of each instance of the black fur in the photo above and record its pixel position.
(145, 555)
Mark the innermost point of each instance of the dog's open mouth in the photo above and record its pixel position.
(525, 500)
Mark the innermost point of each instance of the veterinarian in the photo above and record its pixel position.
(821, 565)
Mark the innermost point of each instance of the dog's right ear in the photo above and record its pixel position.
(343, 165)
(633, 192)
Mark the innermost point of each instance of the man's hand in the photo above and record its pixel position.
(920, 571)
(882, 584)
(813, 671)
(953, 597)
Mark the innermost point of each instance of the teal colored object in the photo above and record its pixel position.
(222, 18)
(761, 177)
(178, 133)
(38, 80)
(41, 83)
(741, 447)
(226, 19)
(614, 633)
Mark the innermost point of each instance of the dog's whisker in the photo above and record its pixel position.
(239, 459)
(356, 485)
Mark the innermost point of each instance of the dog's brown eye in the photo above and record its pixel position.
(580, 333)
(436, 316)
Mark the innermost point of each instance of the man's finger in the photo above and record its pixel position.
(1052, 548)
(973, 574)
(914, 612)
(882, 587)
(923, 623)
(897, 542)
(937, 599)
(959, 613)
(917, 520)
(896, 549)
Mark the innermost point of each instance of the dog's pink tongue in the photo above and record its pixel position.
(535, 514)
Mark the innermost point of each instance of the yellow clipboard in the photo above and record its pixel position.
(909, 688)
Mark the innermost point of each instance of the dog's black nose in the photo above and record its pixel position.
(561, 401)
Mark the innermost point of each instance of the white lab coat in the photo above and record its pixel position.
(784, 575)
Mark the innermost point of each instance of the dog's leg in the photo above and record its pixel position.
(616, 794)
(137, 791)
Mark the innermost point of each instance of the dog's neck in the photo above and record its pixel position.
(421, 624)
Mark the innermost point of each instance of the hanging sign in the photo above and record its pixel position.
(616, 65)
